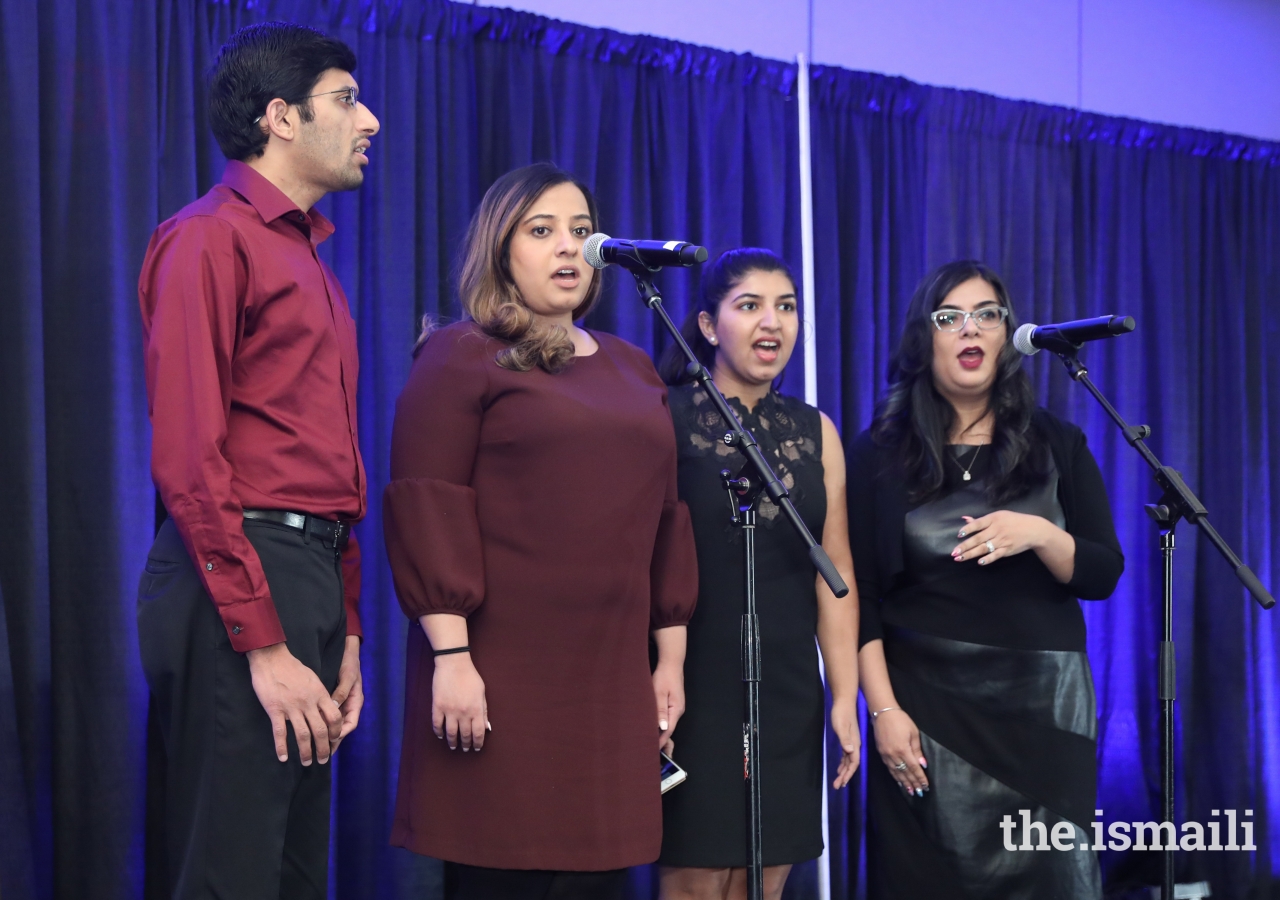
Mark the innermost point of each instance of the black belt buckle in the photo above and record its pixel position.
(328, 530)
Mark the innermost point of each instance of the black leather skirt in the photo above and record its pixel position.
(1006, 733)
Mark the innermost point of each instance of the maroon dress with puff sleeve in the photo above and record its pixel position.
(542, 507)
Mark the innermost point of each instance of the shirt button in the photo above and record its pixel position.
(236, 630)
(208, 567)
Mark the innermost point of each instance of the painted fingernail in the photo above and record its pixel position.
(983, 561)
(961, 535)
(919, 792)
(488, 726)
(662, 724)
(923, 764)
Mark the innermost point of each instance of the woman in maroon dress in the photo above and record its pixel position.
(534, 532)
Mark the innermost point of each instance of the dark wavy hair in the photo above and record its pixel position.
(916, 420)
(718, 279)
(486, 287)
(260, 63)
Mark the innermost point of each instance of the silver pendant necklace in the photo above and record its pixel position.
(974, 459)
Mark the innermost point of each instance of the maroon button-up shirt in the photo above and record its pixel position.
(251, 379)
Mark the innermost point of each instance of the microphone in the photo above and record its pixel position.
(600, 250)
(1068, 337)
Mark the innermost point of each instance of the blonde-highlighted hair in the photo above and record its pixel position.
(485, 285)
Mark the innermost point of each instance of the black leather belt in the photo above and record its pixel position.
(335, 533)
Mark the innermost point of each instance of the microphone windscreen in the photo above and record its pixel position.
(1022, 340)
(591, 250)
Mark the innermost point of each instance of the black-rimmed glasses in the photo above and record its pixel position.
(986, 318)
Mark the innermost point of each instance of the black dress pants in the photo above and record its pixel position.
(238, 822)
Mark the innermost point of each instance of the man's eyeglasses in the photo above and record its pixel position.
(986, 318)
(351, 99)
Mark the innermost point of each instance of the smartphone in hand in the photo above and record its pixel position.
(672, 774)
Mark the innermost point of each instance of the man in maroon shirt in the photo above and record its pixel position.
(247, 610)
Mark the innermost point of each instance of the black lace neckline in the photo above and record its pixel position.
(777, 424)
(765, 404)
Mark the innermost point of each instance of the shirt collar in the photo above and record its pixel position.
(270, 202)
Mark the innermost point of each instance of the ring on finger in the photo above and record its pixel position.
(991, 548)
(900, 766)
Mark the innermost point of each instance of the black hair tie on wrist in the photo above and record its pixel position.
(466, 649)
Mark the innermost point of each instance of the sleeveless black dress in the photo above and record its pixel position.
(704, 819)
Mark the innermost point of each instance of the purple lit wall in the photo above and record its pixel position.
(1212, 64)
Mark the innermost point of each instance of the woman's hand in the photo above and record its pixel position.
(1006, 533)
(898, 741)
(668, 681)
(1010, 533)
(668, 690)
(844, 724)
(459, 713)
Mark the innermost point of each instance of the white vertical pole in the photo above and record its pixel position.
(809, 331)
(808, 316)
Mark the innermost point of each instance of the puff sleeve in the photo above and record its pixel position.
(429, 507)
(673, 573)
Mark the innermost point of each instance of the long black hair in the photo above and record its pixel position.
(916, 420)
(718, 279)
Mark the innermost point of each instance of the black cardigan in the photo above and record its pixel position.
(878, 506)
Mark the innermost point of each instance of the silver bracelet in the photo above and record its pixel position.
(877, 712)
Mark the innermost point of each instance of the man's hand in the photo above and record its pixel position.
(349, 694)
(290, 692)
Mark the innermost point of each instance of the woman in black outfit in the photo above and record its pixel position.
(976, 521)
(744, 330)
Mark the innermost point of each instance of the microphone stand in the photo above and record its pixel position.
(744, 489)
(1177, 502)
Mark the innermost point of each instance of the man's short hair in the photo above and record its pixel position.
(260, 63)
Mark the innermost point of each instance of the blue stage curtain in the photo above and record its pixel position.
(1085, 215)
(1082, 214)
(676, 140)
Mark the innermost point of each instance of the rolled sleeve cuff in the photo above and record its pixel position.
(1097, 570)
(869, 627)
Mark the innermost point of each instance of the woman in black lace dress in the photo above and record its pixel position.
(979, 521)
(744, 330)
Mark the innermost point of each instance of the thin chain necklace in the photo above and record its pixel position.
(974, 459)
